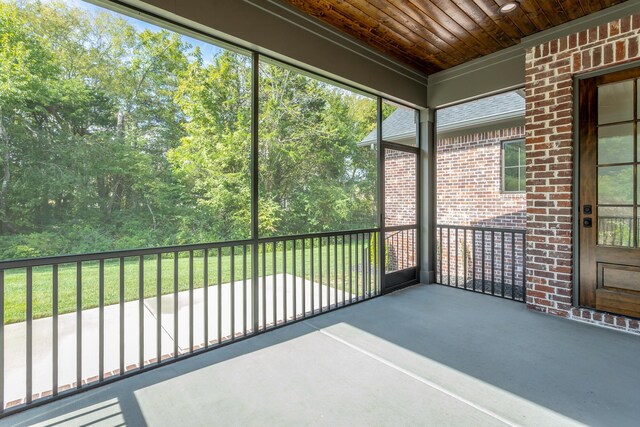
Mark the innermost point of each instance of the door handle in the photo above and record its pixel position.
(587, 222)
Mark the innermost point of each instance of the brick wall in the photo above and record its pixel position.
(550, 68)
(400, 186)
(400, 182)
(469, 181)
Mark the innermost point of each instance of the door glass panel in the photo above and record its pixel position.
(615, 185)
(400, 180)
(615, 226)
(615, 143)
(615, 102)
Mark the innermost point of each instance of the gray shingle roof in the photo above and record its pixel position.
(482, 108)
(401, 123)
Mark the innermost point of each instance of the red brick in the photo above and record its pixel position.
(632, 48)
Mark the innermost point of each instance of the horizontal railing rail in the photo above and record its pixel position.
(64, 259)
(482, 259)
(74, 322)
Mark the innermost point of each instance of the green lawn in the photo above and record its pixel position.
(15, 280)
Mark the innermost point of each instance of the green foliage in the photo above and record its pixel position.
(114, 138)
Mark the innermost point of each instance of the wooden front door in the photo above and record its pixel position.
(609, 193)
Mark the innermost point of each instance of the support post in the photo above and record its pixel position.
(428, 195)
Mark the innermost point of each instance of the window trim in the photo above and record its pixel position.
(503, 144)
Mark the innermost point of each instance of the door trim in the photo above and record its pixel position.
(586, 248)
(576, 169)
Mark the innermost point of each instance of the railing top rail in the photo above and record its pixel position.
(392, 228)
(392, 234)
(316, 235)
(494, 229)
(128, 253)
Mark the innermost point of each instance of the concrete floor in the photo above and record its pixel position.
(427, 355)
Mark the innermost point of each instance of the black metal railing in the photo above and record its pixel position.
(400, 249)
(486, 260)
(74, 322)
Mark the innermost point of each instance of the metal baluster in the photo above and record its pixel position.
(448, 256)
(441, 255)
(502, 260)
(335, 270)
(219, 292)
(304, 279)
(493, 263)
(474, 259)
(284, 281)
(159, 304)
(320, 272)
(464, 259)
(274, 267)
(121, 307)
(101, 320)
(513, 265)
(524, 266)
(29, 314)
(141, 311)
(369, 264)
(264, 286)
(175, 304)
(328, 273)
(350, 268)
(407, 256)
(363, 268)
(344, 273)
(190, 301)
(232, 294)
(54, 349)
(244, 290)
(368, 252)
(295, 283)
(414, 248)
(78, 324)
(483, 261)
(357, 268)
(457, 253)
(205, 293)
(313, 279)
(375, 264)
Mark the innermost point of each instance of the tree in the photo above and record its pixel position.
(114, 136)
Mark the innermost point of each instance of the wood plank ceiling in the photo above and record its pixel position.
(433, 35)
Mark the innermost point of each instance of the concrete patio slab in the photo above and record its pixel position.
(428, 355)
(15, 334)
(239, 296)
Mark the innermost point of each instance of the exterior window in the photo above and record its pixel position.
(513, 166)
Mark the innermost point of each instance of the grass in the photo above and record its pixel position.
(42, 291)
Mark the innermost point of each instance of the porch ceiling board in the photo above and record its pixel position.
(433, 35)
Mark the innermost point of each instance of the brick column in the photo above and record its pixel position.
(550, 69)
